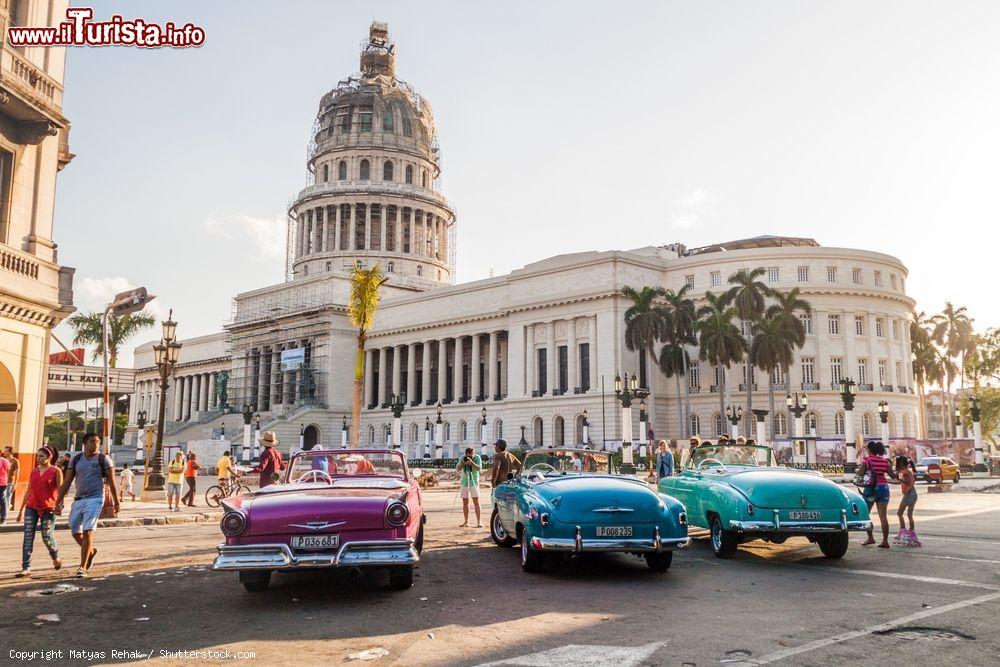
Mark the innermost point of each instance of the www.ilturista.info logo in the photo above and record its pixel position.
(80, 30)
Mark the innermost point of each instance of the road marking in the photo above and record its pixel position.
(959, 539)
(968, 560)
(956, 515)
(908, 577)
(881, 627)
(581, 654)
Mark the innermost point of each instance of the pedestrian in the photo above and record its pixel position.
(12, 476)
(224, 470)
(4, 479)
(38, 507)
(468, 469)
(191, 469)
(664, 461)
(64, 462)
(874, 471)
(270, 463)
(90, 470)
(128, 482)
(906, 472)
(504, 463)
(175, 474)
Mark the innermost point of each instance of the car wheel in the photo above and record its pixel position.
(531, 559)
(418, 543)
(834, 546)
(255, 582)
(724, 542)
(213, 496)
(659, 562)
(401, 578)
(500, 536)
(957, 477)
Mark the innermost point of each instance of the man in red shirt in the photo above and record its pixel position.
(270, 459)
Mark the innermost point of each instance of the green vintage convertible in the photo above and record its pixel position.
(567, 501)
(738, 493)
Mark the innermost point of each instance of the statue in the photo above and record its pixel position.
(221, 393)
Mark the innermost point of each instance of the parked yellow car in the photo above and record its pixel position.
(949, 469)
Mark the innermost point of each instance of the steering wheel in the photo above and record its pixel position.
(719, 463)
(316, 475)
(540, 468)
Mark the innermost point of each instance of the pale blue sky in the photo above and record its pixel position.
(564, 126)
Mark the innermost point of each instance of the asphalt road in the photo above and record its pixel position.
(151, 591)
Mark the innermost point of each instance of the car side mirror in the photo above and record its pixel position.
(510, 476)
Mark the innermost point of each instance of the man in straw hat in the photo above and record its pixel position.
(270, 459)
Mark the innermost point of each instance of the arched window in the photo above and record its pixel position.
(839, 427)
(420, 270)
(329, 266)
(892, 426)
(780, 424)
(498, 429)
(463, 432)
(423, 178)
(326, 173)
(386, 435)
(414, 432)
(407, 123)
(366, 169)
(409, 174)
(812, 423)
(866, 423)
(559, 432)
(906, 425)
(387, 170)
(342, 170)
(447, 432)
(719, 429)
(371, 435)
(388, 124)
(537, 436)
(390, 268)
(695, 424)
(305, 270)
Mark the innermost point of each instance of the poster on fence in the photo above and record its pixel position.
(961, 451)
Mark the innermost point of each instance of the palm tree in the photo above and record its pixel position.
(361, 308)
(748, 295)
(953, 331)
(87, 331)
(925, 367)
(673, 362)
(772, 346)
(786, 309)
(683, 315)
(646, 324)
(720, 341)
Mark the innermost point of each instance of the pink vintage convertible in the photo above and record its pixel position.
(356, 508)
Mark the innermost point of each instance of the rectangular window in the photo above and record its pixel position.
(6, 184)
(808, 367)
(406, 230)
(856, 275)
(879, 327)
(882, 372)
(543, 371)
(344, 119)
(831, 274)
(407, 124)
(836, 369)
(772, 274)
(778, 376)
(807, 323)
(862, 370)
(716, 278)
(689, 280)
(892, 280)
(899, 373)
(584, 366)
(365, 118)
(387, 119)
(803, 274)
(359, 226)
(859, 325)
(563, 353)
(390, 228)
(694, 379)
(833, 324)
(878, 279)
(745, 327)
(375, 242)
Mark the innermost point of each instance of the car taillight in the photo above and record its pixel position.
(750, 509)
(233, 523)
(854, 508)
(397, 514)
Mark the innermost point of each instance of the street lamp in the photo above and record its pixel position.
(165, 354)
(256, 435)
(735, 415)
(343, 433)
(397, 402)
(482, 435)
(980, 469)
(848, 390)
(427, 437)
(140, 420)
(883, 415)
(248, 410)
(627, 389)
(798, 406)
(438, 434)
(522, 442)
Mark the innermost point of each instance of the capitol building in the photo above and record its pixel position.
(538, 348)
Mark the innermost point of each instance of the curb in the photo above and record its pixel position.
(127, 522)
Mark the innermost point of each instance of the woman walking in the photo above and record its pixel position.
(38, 507)
(876, 492)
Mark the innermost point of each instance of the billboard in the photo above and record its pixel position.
(294, 359)
(72, 357)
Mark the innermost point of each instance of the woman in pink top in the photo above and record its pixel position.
(38, 506)
(876, 492)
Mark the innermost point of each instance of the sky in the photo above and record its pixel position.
(564, 126)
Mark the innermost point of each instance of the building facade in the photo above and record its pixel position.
(36, 293)
(538, 348)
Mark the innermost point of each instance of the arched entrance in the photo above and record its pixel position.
(559, 432)
(8, 406)
(536, 432)
(310, 437)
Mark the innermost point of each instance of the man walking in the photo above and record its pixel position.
(504, 463)
(91, 470)
(191, 477)
(270, 459)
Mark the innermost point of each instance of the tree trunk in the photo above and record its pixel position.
(770, 405)
(687, 401)
(722, 397)
(359, 388)
(788, 411)
(921, 412)
(748, 378)
(680, 408)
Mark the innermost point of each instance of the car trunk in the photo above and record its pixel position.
(801, 491)
(576, 500)
(350, 509)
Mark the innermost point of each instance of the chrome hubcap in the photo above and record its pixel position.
(716, 536)
(498, 529)
(524, 550)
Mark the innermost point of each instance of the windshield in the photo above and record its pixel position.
(563, 461)
(927, 460)
(731, 455)
(319, 465)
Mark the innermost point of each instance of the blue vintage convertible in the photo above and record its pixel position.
(738, 493)
(568, 501)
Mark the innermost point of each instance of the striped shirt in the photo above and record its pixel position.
(879, 466)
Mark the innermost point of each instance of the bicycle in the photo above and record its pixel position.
(226, 488)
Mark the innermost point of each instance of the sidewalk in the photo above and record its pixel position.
(132, 514)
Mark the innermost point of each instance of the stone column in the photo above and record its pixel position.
(203, 397)
(262, 363)
(212, 400)
(369, 386)
(530, 379)
(411, 372)
(475, 390)
(442, 368)
(572, 375)
(850, 451)
(425, 379)
(397, 368)
(187, 399)
(383, 381)
(177, 386)
(457, 379)
(195, 394)
(300, 234)
(551, 361)
(491, 366)
(594, 384)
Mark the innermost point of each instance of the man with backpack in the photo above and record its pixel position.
(91, 470)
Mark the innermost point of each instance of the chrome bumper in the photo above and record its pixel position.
(375, 553)
(596, 544)
(776, 525)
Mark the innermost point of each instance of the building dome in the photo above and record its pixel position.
(374, 164)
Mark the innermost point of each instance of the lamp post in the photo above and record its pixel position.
(847, 392)
(975, 411)
(798, 406)
(397, 403)
(256, 436)
(522, 442)
(427, 437)
(140, 420)
(302, 437)
(883, 416)
(343, 433)
(734, 415)
(124, 303)
(165, 354)
(222, 431)
(438, 434)
(482, 435)
(626, 389)
(958, 422)
(248, 409)
(586, 427)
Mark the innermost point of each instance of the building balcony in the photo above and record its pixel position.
(714, 389)
(865, 387)
(887, 387)
(372, 187)
(694, 390)
(810, 386)
(753, 387)
(30, 96)
(781, 386)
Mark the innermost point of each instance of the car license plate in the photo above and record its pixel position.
(804, 515)
(614, 531)
(315, 541)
